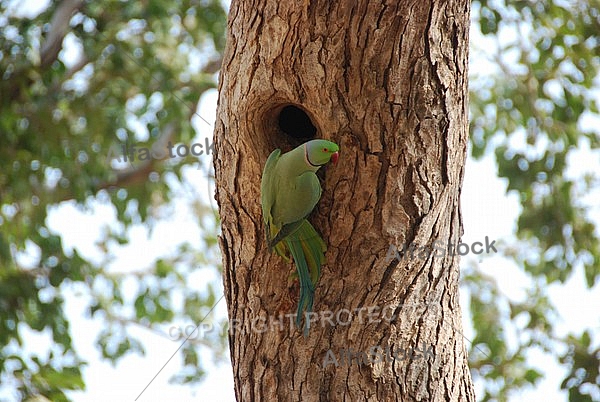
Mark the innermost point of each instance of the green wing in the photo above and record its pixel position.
(267, 193)
(295, 199)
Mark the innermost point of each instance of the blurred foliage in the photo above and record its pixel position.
(78, 80)
(535, 105)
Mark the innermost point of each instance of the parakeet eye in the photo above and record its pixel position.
(324, 149)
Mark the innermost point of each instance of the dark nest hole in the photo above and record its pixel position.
(294, 122)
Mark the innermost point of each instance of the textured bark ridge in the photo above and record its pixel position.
(388, 82)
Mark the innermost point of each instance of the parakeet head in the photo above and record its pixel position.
(320, 152)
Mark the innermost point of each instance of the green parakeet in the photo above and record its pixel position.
(290, 189)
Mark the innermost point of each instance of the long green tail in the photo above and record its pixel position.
(307, 249)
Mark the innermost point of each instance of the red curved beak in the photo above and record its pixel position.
(334, 157)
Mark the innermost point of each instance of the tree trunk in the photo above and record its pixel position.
(388, 83)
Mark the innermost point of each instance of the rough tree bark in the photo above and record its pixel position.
(388, 82)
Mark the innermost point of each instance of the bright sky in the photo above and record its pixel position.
(487, 211)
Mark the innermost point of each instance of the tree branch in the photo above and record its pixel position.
(59, 26)
(78, 66)
(213, 65)
(133, 176)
